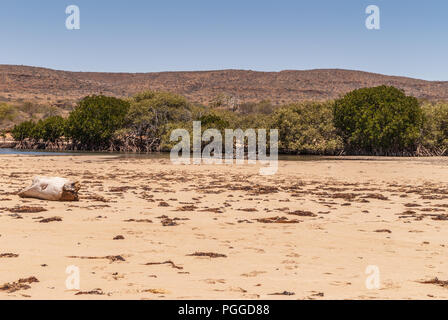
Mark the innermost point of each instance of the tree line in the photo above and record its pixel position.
(370, 121)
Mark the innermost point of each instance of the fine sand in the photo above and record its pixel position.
(225, 232)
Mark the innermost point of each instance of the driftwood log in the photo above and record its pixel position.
(52, 188)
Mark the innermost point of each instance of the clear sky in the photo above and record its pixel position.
(169, 35)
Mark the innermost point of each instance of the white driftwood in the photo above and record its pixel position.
(52, 188)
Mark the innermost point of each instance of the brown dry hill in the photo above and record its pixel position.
(18, 83)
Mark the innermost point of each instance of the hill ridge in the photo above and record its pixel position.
(44, 85)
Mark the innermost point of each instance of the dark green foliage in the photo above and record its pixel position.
(23, 131)
(92, 124)
(49, 130)
(380, 120)
(214, 121)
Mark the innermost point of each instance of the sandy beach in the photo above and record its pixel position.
(148, 229)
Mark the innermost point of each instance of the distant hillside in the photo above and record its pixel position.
(19, 83)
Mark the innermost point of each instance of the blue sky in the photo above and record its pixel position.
(169, 35)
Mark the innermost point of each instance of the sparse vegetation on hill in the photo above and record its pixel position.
(226, 88)
(7, 112)
(15, 113)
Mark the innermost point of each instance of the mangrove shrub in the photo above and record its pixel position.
(380, 120)
(306, 128)
(92, 124)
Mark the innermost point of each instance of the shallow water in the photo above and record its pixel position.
(166, 155)
(156, 155)
(35, 153)
(5, 151)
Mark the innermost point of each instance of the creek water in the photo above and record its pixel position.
(166, 155)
